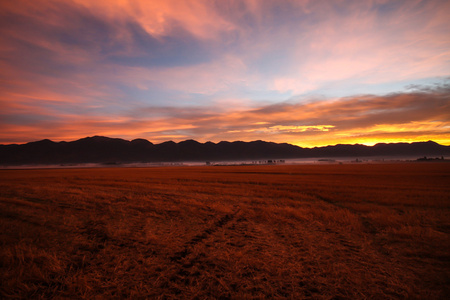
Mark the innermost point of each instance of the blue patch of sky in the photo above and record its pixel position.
(266, 96)
(180, 48)
(348, 89)
(274, 62)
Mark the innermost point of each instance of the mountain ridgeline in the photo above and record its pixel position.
(100, 149)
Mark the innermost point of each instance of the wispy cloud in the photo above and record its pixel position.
(409, 116)
(224, 70)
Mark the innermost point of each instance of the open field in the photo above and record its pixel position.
(350, 231)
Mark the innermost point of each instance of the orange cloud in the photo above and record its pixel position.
(219, 70)
(420, 115)
(158, 17)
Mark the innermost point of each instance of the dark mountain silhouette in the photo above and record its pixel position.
(100, 149)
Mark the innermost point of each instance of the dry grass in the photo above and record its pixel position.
(361, 231)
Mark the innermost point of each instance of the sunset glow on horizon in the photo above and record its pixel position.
(309, 73)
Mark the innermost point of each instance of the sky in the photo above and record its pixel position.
(309, 73)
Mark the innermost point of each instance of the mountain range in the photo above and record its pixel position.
(98, 149)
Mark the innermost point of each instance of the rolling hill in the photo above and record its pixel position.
(99, 149)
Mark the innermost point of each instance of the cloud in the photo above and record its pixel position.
(414, 114)
(222, 69)
(418, 115)
(296, 128)
(367, 43)
(295, 46)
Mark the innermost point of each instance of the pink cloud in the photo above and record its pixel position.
(76, 68)
(410, 116)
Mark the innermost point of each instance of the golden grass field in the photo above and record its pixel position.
(351, 231)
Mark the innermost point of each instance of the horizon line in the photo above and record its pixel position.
(224, 141)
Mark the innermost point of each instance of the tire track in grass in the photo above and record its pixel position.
(187, 248)
(369, 227)
(351, 247)
(354, 249)
(187, 263)
(183, 258)
(269, 245)
(326, 254)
